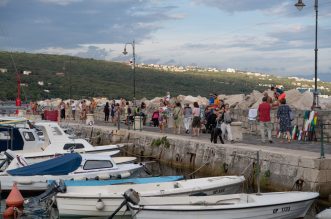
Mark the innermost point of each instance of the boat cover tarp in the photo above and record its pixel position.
(158, 179)
(62, 165)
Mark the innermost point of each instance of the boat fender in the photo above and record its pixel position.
(24, 181)
(8, 213)
(99, 205)
(103, 176)
(15, 198)
(123, 175)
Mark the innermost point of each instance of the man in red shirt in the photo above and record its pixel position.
(264, 118)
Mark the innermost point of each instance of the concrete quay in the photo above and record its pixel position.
(283, 166)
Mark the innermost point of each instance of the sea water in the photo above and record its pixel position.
(155, 169)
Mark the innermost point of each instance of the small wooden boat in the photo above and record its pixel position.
(275, 205)
(83, 201)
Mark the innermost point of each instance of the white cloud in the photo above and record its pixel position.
(3, 2)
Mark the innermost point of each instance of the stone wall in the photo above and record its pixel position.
(280, 169)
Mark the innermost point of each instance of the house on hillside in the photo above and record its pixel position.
(41, 83)
(3, 70)
(61, 74)
(27, 72)
(230, 70)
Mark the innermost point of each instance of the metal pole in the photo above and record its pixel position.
(315, 101)
(69, 78)
(134, 70)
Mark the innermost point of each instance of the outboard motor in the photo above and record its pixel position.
(131, 196)
(52, 190)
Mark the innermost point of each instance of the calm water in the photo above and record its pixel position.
(157, 170)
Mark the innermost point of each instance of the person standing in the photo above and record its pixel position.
(106, 110)
(112, 111)
(196, 123)
(226, 124)
(187, 118)
(73, 109)
(117, 114)
(216, 129)
(284, 118)
(178, 117)
(264, 119)
(62, 110)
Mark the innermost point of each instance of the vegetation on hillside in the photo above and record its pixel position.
(84, 78)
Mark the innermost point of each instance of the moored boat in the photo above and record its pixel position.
(275, 205)
(86, 200)
(71, 166)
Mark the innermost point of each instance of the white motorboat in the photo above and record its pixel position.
(69, 166)
(275, 205)
(18, 134)
(56, 142)
(104, 200)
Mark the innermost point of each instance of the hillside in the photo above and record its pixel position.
(91, 78)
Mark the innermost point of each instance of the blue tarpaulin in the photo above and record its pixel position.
(62, 165)
(158, 179)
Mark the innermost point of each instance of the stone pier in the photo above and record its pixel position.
(281, 169)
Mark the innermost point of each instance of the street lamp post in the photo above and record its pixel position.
(300, 6)
(133, 67)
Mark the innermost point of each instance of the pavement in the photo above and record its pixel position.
(248, 139)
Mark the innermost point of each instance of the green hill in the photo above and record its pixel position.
(95, 78)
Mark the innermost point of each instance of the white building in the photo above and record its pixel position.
(230, 70)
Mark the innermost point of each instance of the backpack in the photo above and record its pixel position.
(155, 115)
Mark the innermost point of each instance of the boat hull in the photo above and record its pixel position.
(71, 205)
(267, 206)
(40, 183)
(296, 210)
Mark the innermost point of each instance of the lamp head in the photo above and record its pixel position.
(125, 52)
(299, 5)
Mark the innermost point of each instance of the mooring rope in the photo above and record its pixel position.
(198, 168)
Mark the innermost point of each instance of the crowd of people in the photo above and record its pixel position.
(215, 118)
(283, 115)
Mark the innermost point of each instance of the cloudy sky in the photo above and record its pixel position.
(269, 36)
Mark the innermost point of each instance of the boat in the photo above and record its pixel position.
(325, 214)
(70, 166)
(275, 205)
(56, 142)
(84, 201)
(17, 134)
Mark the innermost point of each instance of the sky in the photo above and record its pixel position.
(269, 36)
